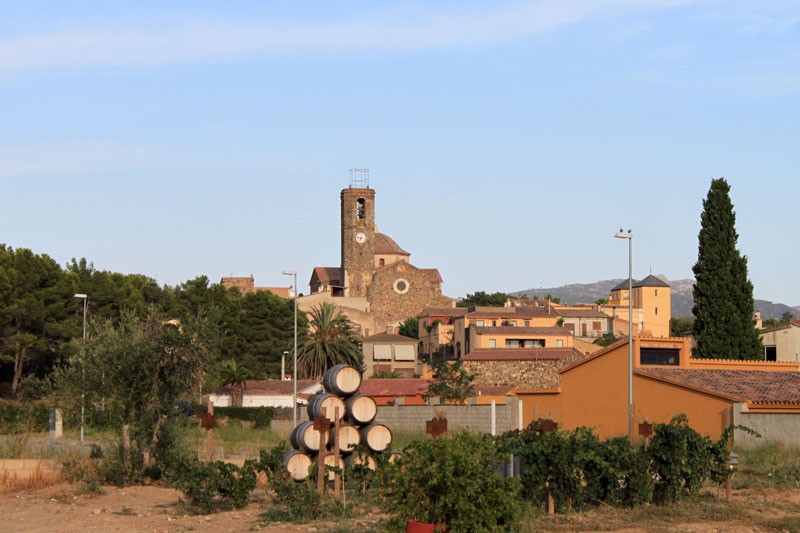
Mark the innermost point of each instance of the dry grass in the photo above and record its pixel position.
(38, 479)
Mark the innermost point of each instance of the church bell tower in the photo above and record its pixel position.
(358, 234)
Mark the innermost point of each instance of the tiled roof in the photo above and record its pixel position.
(741, 385)
(433, 273)
(390, 337)
(444, 311)
(393, 387)
(581, 313)
(327, 274)
(520, 354)
(651, 281)
(383, 244)
(502, 312)
(621, 286)
(514, 330)
(271, 386)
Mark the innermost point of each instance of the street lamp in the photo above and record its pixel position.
(85, 298)
(629, 235)
(294, 377)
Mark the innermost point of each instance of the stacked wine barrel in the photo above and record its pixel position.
(356, 425)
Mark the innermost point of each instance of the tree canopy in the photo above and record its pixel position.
(481, 298)
(723, 295)
(332, 340)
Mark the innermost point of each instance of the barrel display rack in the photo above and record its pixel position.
(356, 425)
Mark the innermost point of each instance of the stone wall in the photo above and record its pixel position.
(471, 417)
(536, 374)
(392, 306)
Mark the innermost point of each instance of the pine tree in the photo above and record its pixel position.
(723, 296)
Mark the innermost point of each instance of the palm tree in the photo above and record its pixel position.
(236, 376)
(332, 340)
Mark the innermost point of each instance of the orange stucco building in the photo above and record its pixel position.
(593, 391)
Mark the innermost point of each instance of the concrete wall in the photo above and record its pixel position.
(773, 427)
(25, 469)
(475, 418)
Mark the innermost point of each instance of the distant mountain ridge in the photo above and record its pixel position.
(682, 299)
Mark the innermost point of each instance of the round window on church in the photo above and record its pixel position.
(401, 286)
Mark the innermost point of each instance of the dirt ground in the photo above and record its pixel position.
(66, 508)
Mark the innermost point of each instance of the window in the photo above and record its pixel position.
(656, 295)
(656, 311)
(479, 323)
(361, 209)
(401, 286)
(559, 343)
(524, 343)
(405, 352)
(511, 323)
(597, 326)
(382, 352)
(382, 262)
(659, 356)
(527, 323)
(770, 353)
(494, 322)
(492, 343)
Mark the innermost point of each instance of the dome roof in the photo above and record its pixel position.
(386, 245)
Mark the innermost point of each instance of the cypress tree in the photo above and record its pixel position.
(723, 296)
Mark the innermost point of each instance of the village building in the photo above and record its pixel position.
(782, 343)
(247, 285)
(375, 285)
(651, 307)
(667, 381)
(390, 353)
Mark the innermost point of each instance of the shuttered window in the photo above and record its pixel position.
(405, 352)
(382, 352)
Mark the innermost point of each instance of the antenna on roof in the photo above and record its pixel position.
(359, 178)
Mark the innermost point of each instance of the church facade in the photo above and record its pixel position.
(375, 284)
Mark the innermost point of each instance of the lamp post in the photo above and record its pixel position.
(85, 298)
(294, 375)
(629, 235)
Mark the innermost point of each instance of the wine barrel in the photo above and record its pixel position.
(329, 402)
(330, 460)
(361, 410)
(361, 459)
(342, 380)
(305, 438)
(347, 438)
(296, 464)
(376, 437)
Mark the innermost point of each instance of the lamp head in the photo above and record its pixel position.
(83, 296)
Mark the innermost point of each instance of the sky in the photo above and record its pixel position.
(506, 141)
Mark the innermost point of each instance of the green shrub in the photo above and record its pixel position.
(218, 486)
(260, 416)
(452, 481)
(23, 417)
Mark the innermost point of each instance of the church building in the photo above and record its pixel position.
(375, 285)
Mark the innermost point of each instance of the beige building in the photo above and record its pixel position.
(782, 343)
(248, 284)
(387, 352)
(651, 307)
(504, 317)
(436, 330)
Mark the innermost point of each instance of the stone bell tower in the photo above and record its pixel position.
(358, 234)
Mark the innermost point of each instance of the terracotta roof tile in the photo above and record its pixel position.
(520, 354)
(494, 391)
(516, 330)
(390, 337)
(581, 313)
(444, 311)
(393, 387)
(271, 386)
(510, 312)
(743, 385)
(383, 244)
(328, 274)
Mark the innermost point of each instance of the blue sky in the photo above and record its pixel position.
(506, 141)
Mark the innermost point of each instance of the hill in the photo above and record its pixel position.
(682, 300)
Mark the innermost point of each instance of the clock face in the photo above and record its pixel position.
(360, 238)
